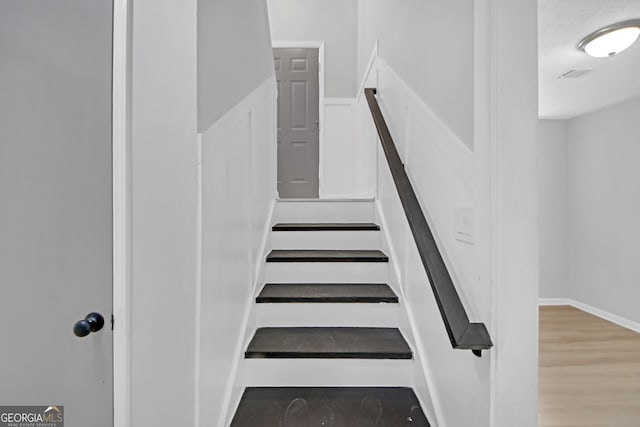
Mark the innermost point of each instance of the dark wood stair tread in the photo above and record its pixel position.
(326, 226)
(328, 342)
(330, 406)
(306, 255)
(326, 292)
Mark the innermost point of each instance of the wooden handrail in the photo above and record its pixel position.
(463, 334)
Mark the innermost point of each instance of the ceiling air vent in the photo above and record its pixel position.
(573, 74)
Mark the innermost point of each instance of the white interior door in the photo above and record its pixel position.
(56, 206)
(298, 121)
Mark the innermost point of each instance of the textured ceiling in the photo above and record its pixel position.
(562, 24)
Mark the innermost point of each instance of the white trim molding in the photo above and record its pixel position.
(198, 299)
(598, 312)
(121, 217)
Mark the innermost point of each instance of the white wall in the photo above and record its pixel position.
(236, 186)
(430, 45)
(163, 223)
(603, 206)
(588, 196)
(492, 102)
(234, 54)
(238, 191)
(435, 160)
(446, 86)
(553, 164)
(334, 22)
(166, 203)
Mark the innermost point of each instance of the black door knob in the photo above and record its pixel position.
(93, 322)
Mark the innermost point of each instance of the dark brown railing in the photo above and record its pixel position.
(463, 334)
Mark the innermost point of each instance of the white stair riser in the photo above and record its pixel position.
(326, 240)
(321, 211)
(326, 272)
(328, 314)
(328, 372)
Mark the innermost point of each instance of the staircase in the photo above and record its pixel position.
(327, 346)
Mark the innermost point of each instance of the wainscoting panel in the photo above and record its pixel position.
(338, 173)
(237, 190)
(441, 169)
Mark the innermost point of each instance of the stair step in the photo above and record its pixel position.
(327, 239)
(329, 342)
(330, 406)
(326, 226)
(270, 372)
(305, 255)
(326, 272)
(324, 211)
(326, 293)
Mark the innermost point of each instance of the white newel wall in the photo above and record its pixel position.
(440, 167)
(237, 188)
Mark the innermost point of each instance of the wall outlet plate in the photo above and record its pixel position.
(464, 224)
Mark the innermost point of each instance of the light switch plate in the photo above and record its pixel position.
(464, 224)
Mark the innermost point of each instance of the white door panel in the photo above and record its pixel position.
(298, 121)
(56, 206)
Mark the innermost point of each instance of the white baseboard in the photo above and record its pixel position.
(613, 318)
(554, 301)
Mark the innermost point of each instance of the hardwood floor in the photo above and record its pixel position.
(589, 371)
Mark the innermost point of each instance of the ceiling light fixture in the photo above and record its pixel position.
(611, 40)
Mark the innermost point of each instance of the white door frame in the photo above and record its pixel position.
(121, 216)
(312, 44)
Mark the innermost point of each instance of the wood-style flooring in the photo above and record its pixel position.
(589, 371)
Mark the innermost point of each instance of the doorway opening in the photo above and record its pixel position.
(298, 70)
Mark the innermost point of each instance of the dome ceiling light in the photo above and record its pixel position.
(611, 40)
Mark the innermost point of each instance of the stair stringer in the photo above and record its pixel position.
(422, 385)
(236, 382)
